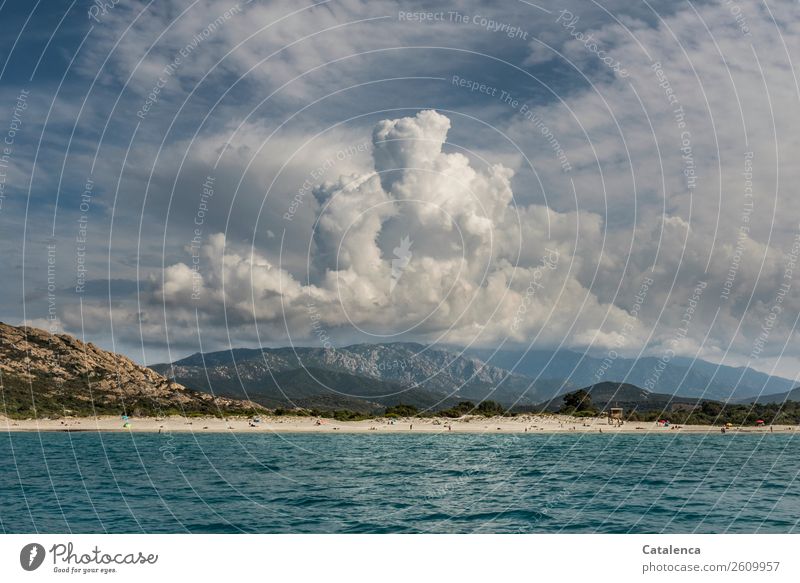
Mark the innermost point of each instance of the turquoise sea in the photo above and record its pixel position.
(294, 483)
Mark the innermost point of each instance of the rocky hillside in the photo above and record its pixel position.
(46, 375)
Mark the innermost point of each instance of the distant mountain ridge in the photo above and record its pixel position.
(793, 395)
(679, 376)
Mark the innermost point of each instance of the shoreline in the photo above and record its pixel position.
(523, 424)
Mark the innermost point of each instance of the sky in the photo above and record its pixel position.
(614, 177)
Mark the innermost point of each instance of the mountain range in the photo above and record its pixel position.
(364, 376)
(368, 377)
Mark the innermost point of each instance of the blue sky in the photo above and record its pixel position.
(251, 168)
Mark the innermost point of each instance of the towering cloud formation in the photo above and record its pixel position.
(470, 265)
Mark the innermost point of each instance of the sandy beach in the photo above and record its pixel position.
(292, 424)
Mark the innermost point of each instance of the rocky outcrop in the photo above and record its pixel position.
(43, 374)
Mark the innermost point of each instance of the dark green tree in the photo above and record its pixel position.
(579, 400)
(490, 408)
(463, 408)
(401, 410)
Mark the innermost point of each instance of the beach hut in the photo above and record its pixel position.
(615, 415)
